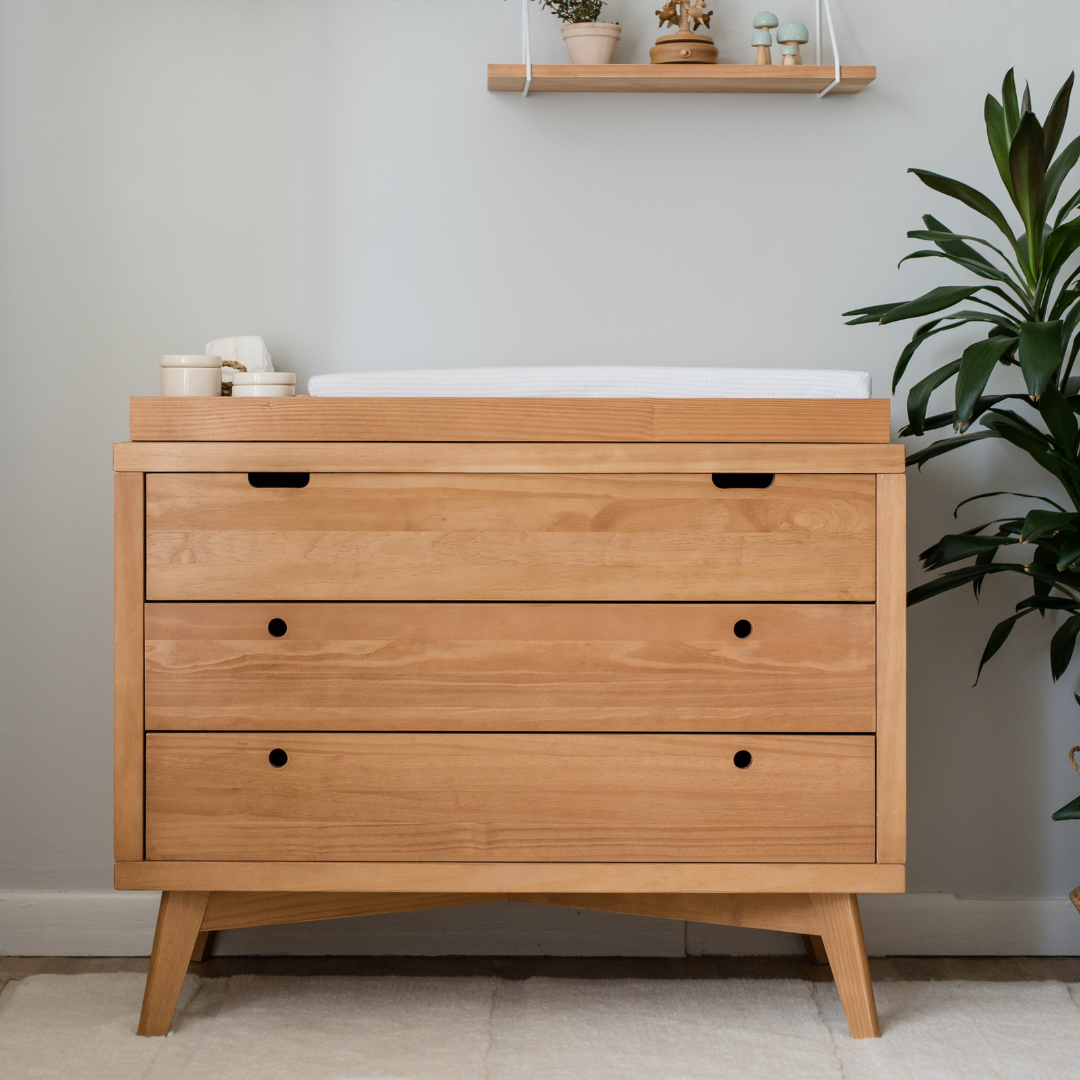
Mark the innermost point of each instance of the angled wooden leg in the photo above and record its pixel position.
(179, 919)
(204, 946)
(815, 949)
(841, 931)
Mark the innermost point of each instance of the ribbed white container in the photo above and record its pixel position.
(264, 384)
(191, 376)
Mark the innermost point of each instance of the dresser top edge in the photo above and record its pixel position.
(511, 420)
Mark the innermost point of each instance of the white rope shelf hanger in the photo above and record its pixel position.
(526, 44)
(832, 41)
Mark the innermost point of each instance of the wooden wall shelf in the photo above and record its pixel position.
(677, 79)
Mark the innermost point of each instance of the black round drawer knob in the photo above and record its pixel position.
(279, 627)
(743, 759)
(743, 628)
(278, 758)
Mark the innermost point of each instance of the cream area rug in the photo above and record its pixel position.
(393, 1028)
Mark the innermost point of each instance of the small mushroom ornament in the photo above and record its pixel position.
(762, 39)
(791, 35)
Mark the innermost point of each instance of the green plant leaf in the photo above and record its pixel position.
(944, 446)
(948, 240)
(1044, 604)
(1028, 169)
(1018, 494)
(947, 419)
(997, 134)
(953, 548)
(955, 579)
(976, 366)
(981, 267)
(1039, 354)
(1066, 300)
(870, 314)
(966, 194)
(1009, 103)
(944, 296)
(998, 636)
(1069, 812)
(983, 559)
(1062, 242)
(1072, 203)
(1056, 117)
(1062, 165)
(1059, 418)
(1061, 646)
(1040, 523)
(919, 394)
(1069, 553)
(927, 330)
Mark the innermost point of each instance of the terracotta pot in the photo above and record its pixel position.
(591, 42)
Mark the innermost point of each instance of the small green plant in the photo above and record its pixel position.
(1028, 293)
(574, 11)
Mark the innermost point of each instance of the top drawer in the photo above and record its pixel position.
(677, 537)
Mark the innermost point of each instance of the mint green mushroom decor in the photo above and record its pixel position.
(765, 20)
(791, 35)
(763, 40)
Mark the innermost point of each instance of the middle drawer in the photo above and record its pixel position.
(510, 667)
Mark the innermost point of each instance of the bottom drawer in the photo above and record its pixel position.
(510, 797)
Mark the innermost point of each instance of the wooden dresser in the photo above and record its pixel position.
(634, 655)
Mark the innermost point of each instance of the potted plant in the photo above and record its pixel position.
(587, 40)
(1025, 291)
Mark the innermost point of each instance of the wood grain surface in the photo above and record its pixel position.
(306, 419)
(500, 798)
(128, 666)
(464, 457)
(179, 918)
(474, 877)
(510, 667)
(892, 668)
(841, 933)
(790, 912)
(657, 537)
(678, 78)
(227, 910)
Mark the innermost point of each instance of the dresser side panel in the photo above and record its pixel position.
(129, 503)
(892, 669)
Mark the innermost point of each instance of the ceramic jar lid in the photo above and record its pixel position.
(191, 361)
(263, 378)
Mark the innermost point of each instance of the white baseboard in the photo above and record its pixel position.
(916, 924)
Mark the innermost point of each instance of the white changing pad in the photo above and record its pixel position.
(608, 381)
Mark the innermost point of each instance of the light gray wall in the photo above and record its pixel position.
(333, 175)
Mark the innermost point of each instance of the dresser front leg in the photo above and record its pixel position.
(841, 932)
(179, 919)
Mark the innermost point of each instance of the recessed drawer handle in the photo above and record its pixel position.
(279, 479)
(743, 759)
(278, 758)
(743, 628)
(279, 628)
(743, 479)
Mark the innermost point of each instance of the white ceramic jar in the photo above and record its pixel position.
(191, 376)
(263, 384)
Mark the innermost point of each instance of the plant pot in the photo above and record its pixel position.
(591, 42)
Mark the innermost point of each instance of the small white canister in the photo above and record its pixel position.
(263, 384)
(191, 376)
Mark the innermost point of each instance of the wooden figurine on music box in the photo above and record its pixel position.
(684, 46)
